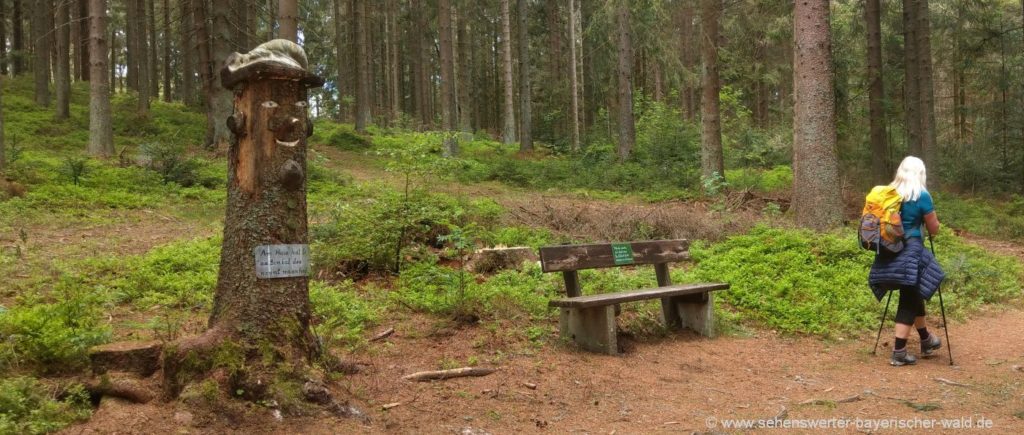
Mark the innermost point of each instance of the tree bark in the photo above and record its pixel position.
(574, 104)
(465, 64)
(205, 69)
(42, 38)
(17, 39)
(288, 19)
(3, 38)
(3, 147)
(82, 43)
(167, 73)
(880, 164)
(926, 91)
(341, 54)
(686, 30)
(627, 126)
(187, 55)
(911, 81)
(152, 39)
(62, 76)
(362, 62)
(101, 134)
(138, 52)
(525, 104)
(220, 98)
(447, 58)
(508, 132)
(817, 198)
(261, 315)
(712, 162)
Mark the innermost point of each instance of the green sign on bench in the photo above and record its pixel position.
(622, 253)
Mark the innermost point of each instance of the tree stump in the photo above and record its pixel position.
(491, 260)
(261, 315)
(141, 357)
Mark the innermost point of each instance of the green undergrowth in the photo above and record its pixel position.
(29, 407)
(798, 281)
(991, 218)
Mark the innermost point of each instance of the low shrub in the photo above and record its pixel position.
(28, 407)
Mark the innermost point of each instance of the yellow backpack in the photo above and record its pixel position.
(880, 225)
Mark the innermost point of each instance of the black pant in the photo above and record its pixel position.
(911, 305)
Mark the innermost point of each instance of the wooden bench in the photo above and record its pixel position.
(589, 321)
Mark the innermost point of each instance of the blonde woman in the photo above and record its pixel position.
(914, 272)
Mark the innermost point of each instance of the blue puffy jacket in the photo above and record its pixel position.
(914, 266)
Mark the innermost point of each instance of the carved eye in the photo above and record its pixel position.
(269, 104)
(301, 104)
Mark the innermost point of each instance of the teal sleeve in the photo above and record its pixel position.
(925, 203)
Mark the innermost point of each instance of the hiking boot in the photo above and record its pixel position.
(930, 345)
(902, 358)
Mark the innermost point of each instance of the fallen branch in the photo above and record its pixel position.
(448, 374)
(387, 333)
(830, 402)
(949, 382)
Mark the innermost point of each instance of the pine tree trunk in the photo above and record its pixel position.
(465, 77)
(341, 54)
(168, 74)
(448, 109)
(187, 54)
(3, 147)
(74, 36)
(525, 103)
(911, 81)
(101, 134)
(627, 126)
(17, 39)
(817, 198)
(205, 68)
(926, 92)
(508, 132)
(131, 45)
(288, 19)
(686, 29)
(43, 39)
(362, 62)
(574, 104)
(881, 167)
(3, 38)
(220, 98)
(711, 159)
(82, 43)
(153, 56)
(62, 76)
(113, 62)
(142, 56)
(261, 308)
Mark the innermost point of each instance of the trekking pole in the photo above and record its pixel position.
(942, 306)
(882, 322)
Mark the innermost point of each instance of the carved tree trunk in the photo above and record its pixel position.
(876, 94)
(288, 19)
(817, 199)
(711, 158)
(101, 134)
(261, 305)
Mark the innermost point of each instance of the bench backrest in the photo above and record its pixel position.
(599, 255)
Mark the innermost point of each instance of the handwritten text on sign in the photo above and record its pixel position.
(282, 261)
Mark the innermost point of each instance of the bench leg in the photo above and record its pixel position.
(696, 312)
(592, 329)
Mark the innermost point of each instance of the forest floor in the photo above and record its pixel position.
(679, 383)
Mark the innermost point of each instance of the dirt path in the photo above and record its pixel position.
(683, 383)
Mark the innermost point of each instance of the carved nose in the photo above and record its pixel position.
(288, 127)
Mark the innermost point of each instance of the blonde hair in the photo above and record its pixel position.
(911, 179)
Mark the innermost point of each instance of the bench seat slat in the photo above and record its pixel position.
(636, 295)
